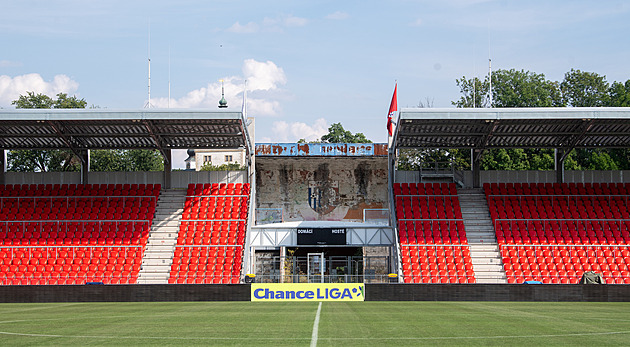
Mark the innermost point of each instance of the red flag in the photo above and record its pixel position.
(393, 107)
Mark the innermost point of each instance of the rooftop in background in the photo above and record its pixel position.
(482, 128)
(321, 149)
(80, 129)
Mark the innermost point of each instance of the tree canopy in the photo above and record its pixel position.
(32, 100)
(111, 160)
(64, 159)
(514, 88)
(337, 134)
(44, 160)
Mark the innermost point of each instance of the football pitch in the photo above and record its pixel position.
(299, 324)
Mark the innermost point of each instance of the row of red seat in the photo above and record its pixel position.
(430, 214)
(80, 190)
(215, 215)
(425, 189)
(414, 207)
(557, 188)
(206, 189)
(107, 227)
(560, 250)
(431, 232)
(206, 265)
(107, 277)
(73, 233)
(577, 208)
(69, 265)
(439, 264)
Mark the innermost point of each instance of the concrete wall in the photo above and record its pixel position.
(531, 176)
(341, 187)
(497, 292)
(180, 179)
(373, 292)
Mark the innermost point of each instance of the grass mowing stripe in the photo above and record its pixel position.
(289, 324)
(316, 326)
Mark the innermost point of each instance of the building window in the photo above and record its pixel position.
(228, 158)
(207, 159)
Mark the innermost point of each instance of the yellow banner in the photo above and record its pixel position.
(307, 292)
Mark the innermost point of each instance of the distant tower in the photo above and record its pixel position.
(222, 102)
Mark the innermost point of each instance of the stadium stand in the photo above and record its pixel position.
(212, 234)
(555, 232)
(433, 243)
(73, 234)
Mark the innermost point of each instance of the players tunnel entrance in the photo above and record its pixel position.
(322, 265)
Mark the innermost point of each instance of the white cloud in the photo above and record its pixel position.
(248, 28)
(292, 132)
(8, 63)
(263, 75)
(416, 23)
(12, 87)
(292, 21)
(269, 24)
(264, 80)
(337, 15)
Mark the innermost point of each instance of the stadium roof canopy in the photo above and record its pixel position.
(480, 129)
(81, 129)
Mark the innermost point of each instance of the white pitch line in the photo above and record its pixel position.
(314, 329)
(316, 326)
(284, 338)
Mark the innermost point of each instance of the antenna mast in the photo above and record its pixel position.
(148, 104)
(490, 82)
(489, 69)
(169, 76)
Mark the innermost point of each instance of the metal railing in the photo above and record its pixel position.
(376, 278)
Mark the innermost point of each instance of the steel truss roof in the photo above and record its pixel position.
(121, 129)
(562, 128)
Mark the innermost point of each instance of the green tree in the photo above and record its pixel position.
(513, 88)
(144, 160)
(584, 89)
(63, 101)
(64, 159)
(225, 167)
(126, 160)
(619, 94)
(474, 92)
(411, 159)
(337, 134)
(44, 160)
(32, 100)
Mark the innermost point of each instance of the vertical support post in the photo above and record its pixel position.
(85, 165)
(559, 164)
(476, 167)
(3, 168)
(168, 167)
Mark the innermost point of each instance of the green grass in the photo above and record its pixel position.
(291, 324)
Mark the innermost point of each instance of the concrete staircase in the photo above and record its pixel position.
(158, 254)
(484, 249)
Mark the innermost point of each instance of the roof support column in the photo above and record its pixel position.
(3, 167)
(476, 167)
(168, 167)
(84, 155)
(559, 161)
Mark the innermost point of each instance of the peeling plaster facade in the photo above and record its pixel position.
(322, 188)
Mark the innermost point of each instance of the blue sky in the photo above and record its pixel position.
(308, 64)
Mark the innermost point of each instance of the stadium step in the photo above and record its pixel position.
(158, 255)
(484, 249)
